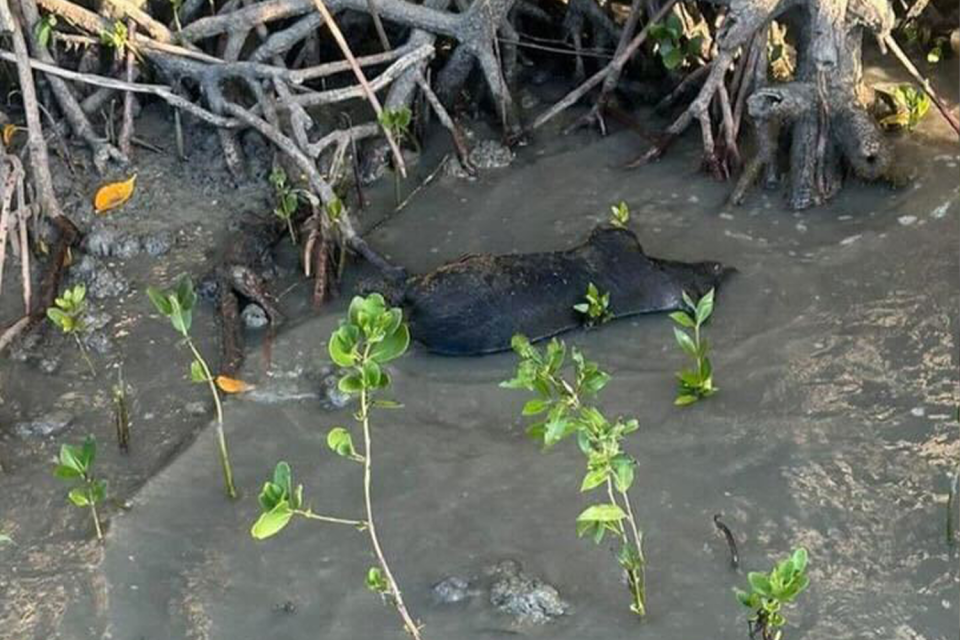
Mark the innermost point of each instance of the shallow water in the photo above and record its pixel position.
(836, 355)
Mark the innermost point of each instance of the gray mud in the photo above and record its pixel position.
(836, 355)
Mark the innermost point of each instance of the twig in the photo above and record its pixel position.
(924, 83)
(39, 161)
(731, 541)
(426, 181)
(362, 79)
(126, 129)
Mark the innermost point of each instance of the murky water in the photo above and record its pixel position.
(836, 355)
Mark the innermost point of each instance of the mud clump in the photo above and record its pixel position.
(254, 317)
(101, 281)
(451, 590)
(529, 600)
(46, 425)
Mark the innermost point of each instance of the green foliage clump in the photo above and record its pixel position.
(68, 314)
(287, 200)
(909, 105)
(696, 383)
(675, 47)
(76, 464)
(563, 401)
(770, 591)
(595, 309)
(620, 215)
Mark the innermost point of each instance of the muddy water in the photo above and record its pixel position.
(836, 355)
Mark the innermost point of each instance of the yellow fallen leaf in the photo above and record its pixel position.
(113, 195)
(8, 131)
(232, 385)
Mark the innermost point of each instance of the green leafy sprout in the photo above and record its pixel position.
(76, 465)
(770, 591)
(596, 307)
(696, 383)
(620, 215)
(287, 200)
(909, 105)
(397, 122)
(43, 30)
(371, 336)
(563, 402)
(68, 312)
(177, 305)
(673, 45)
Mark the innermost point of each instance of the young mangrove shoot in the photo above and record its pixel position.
(76, 464)
(397, 122)
(620, 215)
(595, 308)
(287, 200)
(696, 383)
(609, 468)
(371, 336)
(177, 305)
(770, 591)
(68, 314)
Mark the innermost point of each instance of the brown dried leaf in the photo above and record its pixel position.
(232, 385)
(114, 194)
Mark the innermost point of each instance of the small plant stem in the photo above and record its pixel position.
(408, 622)
(293, 234)
(638, 541)
(96, 518)
(313, 516)
(221, 437)
(83, 352)
(396, 188)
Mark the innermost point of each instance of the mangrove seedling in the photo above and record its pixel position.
(177, 305)
(609, 468)
(68, 314)
(908, 104)
(620, 215)
(770, 591)
(43, 30)
(287, 200)
(673, 44)
(76, 464)
(121, 413)
(595, 309)
(372, 335)
(697, 383)
(397, 122)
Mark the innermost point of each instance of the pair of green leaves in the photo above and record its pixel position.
(770, 591)
(43, 30)
(372, 336)
(76, 463)
(695, 383)
(176, 304)
(67, 312)
(396, 121)
(279, 501)
(595, 308)
(287, 200)
(620, 215)
(673, 45)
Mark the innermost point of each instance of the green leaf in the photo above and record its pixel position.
(393, 346)
(535, 406)
(747, 599)
(98, 491)
(340, 442)
(687, 300)
(685, 399)
(270, 496)
(759, 582)
(800, 560)
(686, 342)
(283, 477)
(583, 307)
(71, 457)
(343, 344)
(272, 522)
(5, 539)
(623, 473)
(376, 581)
(66, 473)
(59, 318)
(594, 479)
(351, 383)
(684, 320)
(160, 301)
(370, 374)
(88, 452)
(672, 58)
(197, 373)
(602, 513)
(386, 404)
(185, 294)
(78, 496)
(705, 307)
